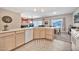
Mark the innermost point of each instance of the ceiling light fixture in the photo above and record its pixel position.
(42, 10)
(54, 13)
(35, 9)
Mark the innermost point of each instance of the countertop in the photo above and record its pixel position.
(28, 28)
(75, 32)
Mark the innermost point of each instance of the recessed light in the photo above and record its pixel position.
(54, 12)
(42, 10)
(35, 9)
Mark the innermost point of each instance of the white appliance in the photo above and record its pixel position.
(28, 35)
(75, 39)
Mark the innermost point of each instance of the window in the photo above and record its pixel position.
(57, 23)
(37, 23)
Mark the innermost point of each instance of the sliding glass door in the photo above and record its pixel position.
(57, 23)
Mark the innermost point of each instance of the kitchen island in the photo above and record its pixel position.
(14, 38)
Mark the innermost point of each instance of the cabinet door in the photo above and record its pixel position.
(36, 32)
(49, 31)
(50, 37)
(19, 38)
(7, 41)
(36, 36)
(2, 43)
(50, 34)
(42, 33)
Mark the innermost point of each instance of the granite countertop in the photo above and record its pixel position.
(75, 32)
(28, 28)
(18, 29)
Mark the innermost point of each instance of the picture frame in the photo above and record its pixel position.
(76, 18)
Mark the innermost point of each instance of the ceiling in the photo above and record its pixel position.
(34, 12)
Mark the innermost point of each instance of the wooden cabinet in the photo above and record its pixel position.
(7, 41)
(42, 33)
(47, 33)
(11, 40)
(50, 37)
(36, 32)
(19, 38)
(39, 33)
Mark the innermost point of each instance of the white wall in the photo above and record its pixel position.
(16, 23)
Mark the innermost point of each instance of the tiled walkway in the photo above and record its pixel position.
(63, 37)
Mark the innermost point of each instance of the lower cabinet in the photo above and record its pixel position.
(36, 36)
(36, 32)
(42, 33)
(20, 38)
(50, 37)
(11, 40)
(7, 41)
(47, 33)
(39, 33)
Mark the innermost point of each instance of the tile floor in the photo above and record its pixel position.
(63, 36)
(47, 45)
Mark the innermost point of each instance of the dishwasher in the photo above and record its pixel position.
(28, 35)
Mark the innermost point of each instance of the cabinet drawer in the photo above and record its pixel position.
(6, 34)
(42, 32)
(50, 37)
(20, 31)
(42, 29)
(36, 31)
(42, 36)
(49, 32)
(36, 36)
